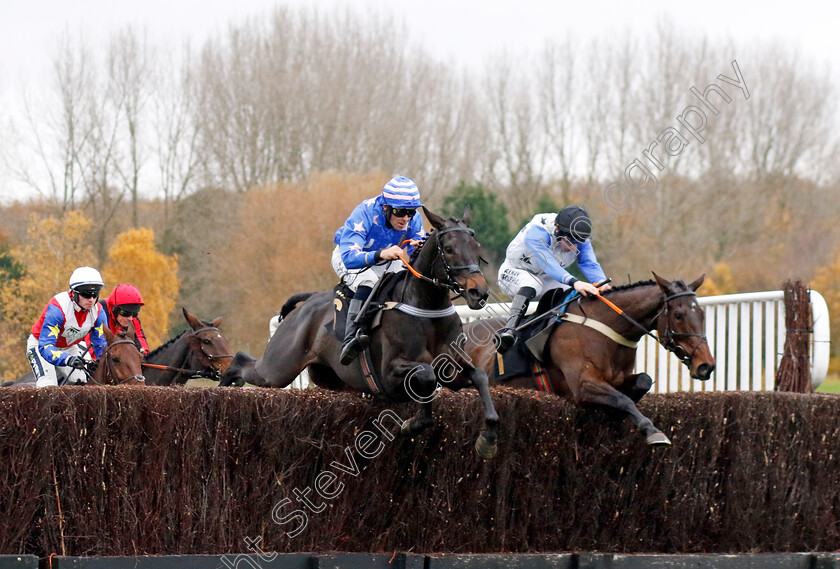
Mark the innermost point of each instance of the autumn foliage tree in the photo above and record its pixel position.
(54, 247)
(133, 258)
(284, 247)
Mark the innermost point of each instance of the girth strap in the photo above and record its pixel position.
(420, 312)
(600, 327)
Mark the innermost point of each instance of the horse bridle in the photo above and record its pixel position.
(210, 357)
(451, 283)
(107, 362)
(669, 341)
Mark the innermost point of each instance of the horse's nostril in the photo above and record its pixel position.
(704, 370)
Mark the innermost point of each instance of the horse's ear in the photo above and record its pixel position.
(130, 330)
(436, 221)
(109, 337)
(663, 284)
(467, 218)
(191, 320)
(217, 322)
(698, 283)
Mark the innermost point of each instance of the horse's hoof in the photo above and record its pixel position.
(484, 448)
(658, 439)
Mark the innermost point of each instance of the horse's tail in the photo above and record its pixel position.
(293, 301)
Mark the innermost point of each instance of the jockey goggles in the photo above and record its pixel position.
(128, 313)
(87, 293)
(402, 211)
(560, 236)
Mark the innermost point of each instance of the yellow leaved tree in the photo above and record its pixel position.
(54, 247)
(720, 281)
(827, 283)
(134, 259)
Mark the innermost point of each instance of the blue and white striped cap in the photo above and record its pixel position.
(401, 192)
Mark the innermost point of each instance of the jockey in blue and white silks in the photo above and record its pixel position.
(371, 234)
(53, 348)
(536, 261)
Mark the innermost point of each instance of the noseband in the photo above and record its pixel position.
(210, 357)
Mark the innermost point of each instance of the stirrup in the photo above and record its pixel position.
(507, 338)
(351, 350)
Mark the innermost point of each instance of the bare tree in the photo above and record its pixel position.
(516, 134)
(58, 127)
(176, 127)
(130, 71)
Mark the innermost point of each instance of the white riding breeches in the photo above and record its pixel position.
(364, 277)
(512, 278)
(46, 374)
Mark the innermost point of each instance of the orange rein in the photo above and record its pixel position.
(404, 259)
(611, 305)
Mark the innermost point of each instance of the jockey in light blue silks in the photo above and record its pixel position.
(536, 261)
(53, 348)
(371, 234)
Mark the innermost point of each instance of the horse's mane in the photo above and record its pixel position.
(416, 252)
(168, 342)
(417, 249)
(629, 286)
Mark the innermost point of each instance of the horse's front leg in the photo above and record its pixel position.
(636, 386)
(486, 445)
(594, 390)
(420, 383)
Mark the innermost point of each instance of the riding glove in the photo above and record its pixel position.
(75, 362)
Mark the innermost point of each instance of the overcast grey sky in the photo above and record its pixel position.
(465, 30)
(460, 31)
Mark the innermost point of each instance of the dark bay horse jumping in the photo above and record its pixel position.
(202, 350)
(584, 364)
(414, 343)
(119, 364)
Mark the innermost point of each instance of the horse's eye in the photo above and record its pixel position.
(115, 360)
(449, 250)
(679, 316)
(206, 342)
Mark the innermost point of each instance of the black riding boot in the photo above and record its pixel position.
(355, 338)
(508, 334)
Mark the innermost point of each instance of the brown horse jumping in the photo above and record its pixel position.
(588, 366)
(410, 348)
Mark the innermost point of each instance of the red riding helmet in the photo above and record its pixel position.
(126, 297)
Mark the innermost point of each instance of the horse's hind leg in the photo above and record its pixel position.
(593, 390)
(486, 445)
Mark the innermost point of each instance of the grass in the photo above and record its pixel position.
(831, 384)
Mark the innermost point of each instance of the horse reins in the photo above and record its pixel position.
(452, 284)
(194, 372)
(669, 343)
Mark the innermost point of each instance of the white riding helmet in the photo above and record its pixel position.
(86, 278)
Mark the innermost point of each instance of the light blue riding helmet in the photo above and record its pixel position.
(401, 192)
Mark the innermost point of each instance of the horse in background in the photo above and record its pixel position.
(202, 350)
(120, 363)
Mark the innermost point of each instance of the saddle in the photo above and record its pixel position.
(525, 357)
(341, 302)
